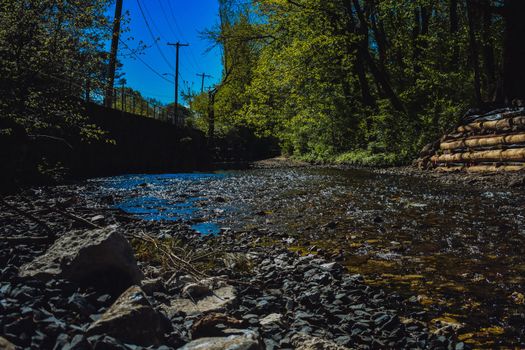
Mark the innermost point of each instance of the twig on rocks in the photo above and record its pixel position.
(127, 217)
(175, 261)
(185, 264)
(97, 209)
(203, 256)
(76, 218)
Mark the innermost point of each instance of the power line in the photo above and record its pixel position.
(153, 36)
(151, 19)
(172, 13)
(168, 22)
(166, 18)
(144, 62)
(141, 60)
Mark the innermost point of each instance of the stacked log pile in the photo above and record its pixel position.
(493, 142)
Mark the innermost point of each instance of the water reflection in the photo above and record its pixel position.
(152, 198)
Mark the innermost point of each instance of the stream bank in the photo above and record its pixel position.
(444, 268)
(253, 295)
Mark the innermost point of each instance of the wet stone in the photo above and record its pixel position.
(219, 300)
(132, 319)
(271, 319)
(99, 258)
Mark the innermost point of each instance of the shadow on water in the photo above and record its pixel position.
(455, 252)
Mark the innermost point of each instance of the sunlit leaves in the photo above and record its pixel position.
(306, 83)
(49, 50)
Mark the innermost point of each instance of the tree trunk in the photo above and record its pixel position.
(474, 56)
(421, 25)
(368, 100)
(359, 67)
(415, 35)
(113, 55)
(514, 51)
(380, 76)
(489, 65)
(211, 115)
(380, 38)
(425, 19)
(454, 28)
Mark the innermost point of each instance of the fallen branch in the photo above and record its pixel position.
(509, 155)
(176, 262)
(51, 138)
(76, 218)
(487, 141)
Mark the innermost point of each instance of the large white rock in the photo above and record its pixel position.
(271, 319)
(132, 319)
(242, 340)
(218, 301)
(96, 257)
(303, 341)
(6, 344)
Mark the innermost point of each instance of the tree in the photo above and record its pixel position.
(378, 78)
(514, 50)
(49, 50)
(51, 55)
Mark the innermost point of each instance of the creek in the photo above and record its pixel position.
(456, 253)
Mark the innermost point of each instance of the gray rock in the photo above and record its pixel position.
(132, 319)
(6, 344)
(331, 266)
(97, 218)
(195, 290)
(214, 325)
(204, 287)
(242, 340)
(98, 257)
(152, 285)
(307, 342)
(271, 319)
(218, 301)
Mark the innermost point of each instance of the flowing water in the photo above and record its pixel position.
(455, 253)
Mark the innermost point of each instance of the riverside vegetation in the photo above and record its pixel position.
(361, 82)
(347, 81)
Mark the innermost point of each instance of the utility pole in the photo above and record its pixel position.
(203, 75)
(113, 54)
(176, 107)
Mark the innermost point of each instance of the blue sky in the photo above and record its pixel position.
(170, 21)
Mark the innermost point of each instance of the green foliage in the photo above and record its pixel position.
(370, 81)
(199, 107)
(369, 158)
(48, 51)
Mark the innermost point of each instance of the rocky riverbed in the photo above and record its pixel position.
(489, 180)
(77, 274)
